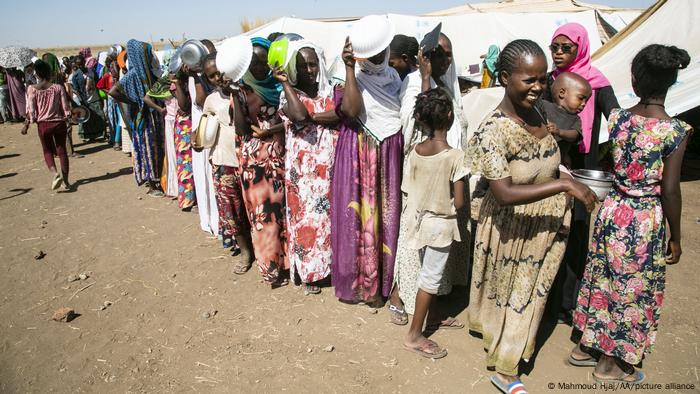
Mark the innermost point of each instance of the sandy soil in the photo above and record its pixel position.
(162, 274)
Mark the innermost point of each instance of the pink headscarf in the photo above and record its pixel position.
(90, 61)
(582, 66)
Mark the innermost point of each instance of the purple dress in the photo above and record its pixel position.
(365, 211)
(18, 96)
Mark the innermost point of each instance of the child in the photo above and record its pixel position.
(434, 183)
(570, 93)
(623, 285)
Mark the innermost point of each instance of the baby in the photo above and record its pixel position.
(570, 92)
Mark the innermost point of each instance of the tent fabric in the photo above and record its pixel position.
(471, 33)
(524, 6)
(672, 22)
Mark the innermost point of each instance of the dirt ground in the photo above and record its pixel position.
(162, 274)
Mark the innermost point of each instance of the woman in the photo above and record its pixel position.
(403, 55)
(49, 109)
(262, 166)
(18, 100)
(488, 68)
(160, 98)
(366, 203)
(309, 116)
(4, 98)
(105, 83)
(571, 53)
(437, 70)
(84, 85)
(223, 156)
(124, 118)
(521, 233)
(620, 300)
(186, 197)
(143, 72)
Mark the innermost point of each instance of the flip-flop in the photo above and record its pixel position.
(639, 374)
(241, 268)
(453, 324)
(587, 362)
(398, 316)
(57, 180)
(311, 289)
(516, 387)
(430, 344)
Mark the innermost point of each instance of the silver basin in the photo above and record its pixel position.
(599, 181)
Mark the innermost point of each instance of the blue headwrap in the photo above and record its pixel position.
(140, 77)
(269, 88)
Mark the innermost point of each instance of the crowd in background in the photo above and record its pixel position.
(361, 184)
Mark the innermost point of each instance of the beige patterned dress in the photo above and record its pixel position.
(518, 249)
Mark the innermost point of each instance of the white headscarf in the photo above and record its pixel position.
(457, 134)
(324, 86)
(380, 86)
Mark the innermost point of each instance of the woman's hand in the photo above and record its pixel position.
(279, 74)
(258, 132)
(426, 69)
(673, 252)
(348, 55)
(582, 193)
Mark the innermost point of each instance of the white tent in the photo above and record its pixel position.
(668, 22)
(471, 33)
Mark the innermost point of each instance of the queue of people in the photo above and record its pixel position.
(362, 184)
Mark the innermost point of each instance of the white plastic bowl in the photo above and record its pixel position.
(371, 35)
(234, 56)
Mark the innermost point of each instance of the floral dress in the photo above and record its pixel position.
(262, 178)
(309, 165)
(186, 197)
(623, 285)
(518, 248)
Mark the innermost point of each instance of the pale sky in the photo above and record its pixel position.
(51, 23)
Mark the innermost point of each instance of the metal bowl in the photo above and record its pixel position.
(599, 181)
(192, 53)
(79, 114)
(175, 62)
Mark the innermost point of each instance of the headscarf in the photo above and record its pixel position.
(491, 58)
(141, 75)
(52, 61)
(582, 66)
(324, 86)
(380, 86)
(90, 62)
(269, 88)
(121, 59)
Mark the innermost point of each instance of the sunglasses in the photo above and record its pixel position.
(565, 48)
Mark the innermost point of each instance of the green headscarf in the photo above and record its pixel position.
(52, 61)
(491, 58)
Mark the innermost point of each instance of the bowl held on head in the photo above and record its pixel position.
(599, 181)
(370, 35)
(234, 56)
(277, 54)
(192, 54)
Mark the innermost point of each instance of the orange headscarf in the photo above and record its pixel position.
(121, 59)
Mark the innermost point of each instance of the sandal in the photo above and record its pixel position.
(398, 316)
(638, 375)
(428, 349)
(57, 180)
(155, 193)
(241, 268)
(280, 283)
(516, 387)
(589, 361)
(450, 323)
(311, 289)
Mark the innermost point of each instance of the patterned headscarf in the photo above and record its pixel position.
(140, 76)
(52, 61)
(269, 88)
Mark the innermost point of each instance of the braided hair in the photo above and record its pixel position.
(405, 45)
(512, 54)
(655, 69)
(434, 110)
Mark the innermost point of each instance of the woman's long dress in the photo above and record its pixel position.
(366, 206)
(309, 166)
(518, 248)
(623, 285)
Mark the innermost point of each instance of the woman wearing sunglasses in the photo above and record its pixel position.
(571, 53)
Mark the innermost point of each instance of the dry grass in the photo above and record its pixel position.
(73, 50)
(248, 25)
